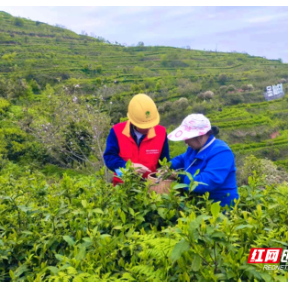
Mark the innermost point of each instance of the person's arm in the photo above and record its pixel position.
(165, 150)
(111, 155)
(178, 162)
(215, 173)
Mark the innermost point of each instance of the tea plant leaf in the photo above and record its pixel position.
(84, 203)
(59, 257)
(180, 185)
(105, 236)
(131, 211)
(11, 274)
(243, 226)
(179, 249)
(82, 252)
(69, 240)
(98, 210)
(196, 262)
(24, 208)
(118, 227)
(53, 269)
(193, 225)
(123, 217)
(20, 270)
(27, 232)
(280, 242)
(215, 209)
(196, 173)
(162, 212)
(127, 276)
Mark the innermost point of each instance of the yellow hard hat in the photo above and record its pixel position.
(142, 112)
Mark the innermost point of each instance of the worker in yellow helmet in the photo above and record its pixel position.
(140, 139)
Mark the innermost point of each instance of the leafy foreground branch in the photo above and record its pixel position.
(83, 229)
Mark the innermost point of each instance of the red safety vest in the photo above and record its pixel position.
(149, 151)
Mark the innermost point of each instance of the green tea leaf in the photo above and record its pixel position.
(131, 211)
(242, 226)
(69, 240)
(179, 249)
(123, 217)
(193, 225)
(20, 270)
(197, 172)
(196, 263)
(82, 253)
(119, 227)
(280, 242)
(215, 209)
(98, 210)
(103, 236)
(84, 203)
(27, 232)
(11, 274)
(180, 185)
(53, 269)
(59, 257)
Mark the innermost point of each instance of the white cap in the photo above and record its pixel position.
(192, 126)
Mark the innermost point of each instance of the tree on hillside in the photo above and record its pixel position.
(186, 87)
(73, 133)
(18, 22)
(99, 68)
(208, 95)
(231, 88)
(141, 44)
(182, 103)
(222, 78)
(9, 57)
(247, 87)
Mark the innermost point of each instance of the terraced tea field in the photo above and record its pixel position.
(41, 54)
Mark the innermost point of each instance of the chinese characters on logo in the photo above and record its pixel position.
(264, 255)
(269, 256)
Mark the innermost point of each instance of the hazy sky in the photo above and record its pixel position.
(259, 31)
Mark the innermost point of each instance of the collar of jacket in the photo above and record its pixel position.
(203, 153)
(126, 131)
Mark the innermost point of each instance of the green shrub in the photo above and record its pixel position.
(85, 230)
(18, 22)
(222, 78)
(272, 174)
(13, 143)
(4, 105)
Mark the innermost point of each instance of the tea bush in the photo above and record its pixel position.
(83, 229)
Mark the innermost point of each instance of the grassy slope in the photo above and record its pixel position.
(54, 55)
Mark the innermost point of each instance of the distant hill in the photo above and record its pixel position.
(43, 54)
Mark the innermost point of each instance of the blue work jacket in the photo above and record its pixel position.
(217, 169)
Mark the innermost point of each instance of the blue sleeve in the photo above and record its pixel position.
(178, 162)
(165, 150)
(111, 155)
(215, 172)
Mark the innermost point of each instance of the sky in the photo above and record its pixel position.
(258, 31)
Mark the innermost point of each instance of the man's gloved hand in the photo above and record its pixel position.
(140, 169)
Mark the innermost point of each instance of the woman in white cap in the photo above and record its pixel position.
(211, 156)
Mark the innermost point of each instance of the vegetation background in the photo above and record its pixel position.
(60, 93)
